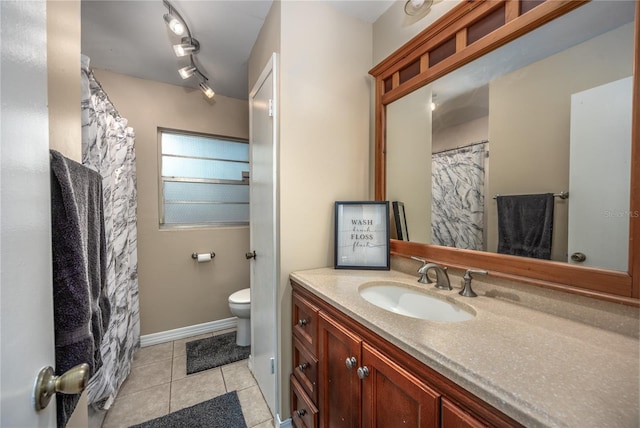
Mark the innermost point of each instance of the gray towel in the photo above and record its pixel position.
(81, 308)
(525, 225)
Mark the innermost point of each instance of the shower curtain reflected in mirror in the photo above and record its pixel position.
(457, 206)
(108, 147)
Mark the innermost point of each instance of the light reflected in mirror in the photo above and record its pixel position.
(547, 113)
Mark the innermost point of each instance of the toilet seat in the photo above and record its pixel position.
(241, 296)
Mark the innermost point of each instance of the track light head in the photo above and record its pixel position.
(174, 24)
(189, 46)
(206, 89)
(186, 72)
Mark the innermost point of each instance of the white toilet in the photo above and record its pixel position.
(240, 305)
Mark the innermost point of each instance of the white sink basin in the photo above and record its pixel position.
(400, 299)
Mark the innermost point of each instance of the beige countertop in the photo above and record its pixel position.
(545, 358)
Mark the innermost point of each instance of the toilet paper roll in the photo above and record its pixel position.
(204, 257)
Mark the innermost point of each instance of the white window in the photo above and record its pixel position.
(204, 180)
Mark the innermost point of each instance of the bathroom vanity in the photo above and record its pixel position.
(525, 358)
(550, 343)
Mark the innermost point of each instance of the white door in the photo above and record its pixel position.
(600, 175)
(26, 299)
(264, 239)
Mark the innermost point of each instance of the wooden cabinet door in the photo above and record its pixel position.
(392, 397)
(339, 385)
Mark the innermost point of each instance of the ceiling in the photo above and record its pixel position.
(130, 37)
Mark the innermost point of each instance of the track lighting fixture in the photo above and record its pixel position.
(174, 24)
(188, 46)
(206, 89)
(187, 71)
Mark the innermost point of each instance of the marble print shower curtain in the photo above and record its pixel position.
(457, 208)
(108, 147)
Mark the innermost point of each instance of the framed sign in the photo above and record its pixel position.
(362, 235)
(400, 220)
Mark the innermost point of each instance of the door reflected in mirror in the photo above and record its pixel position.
(516, 122)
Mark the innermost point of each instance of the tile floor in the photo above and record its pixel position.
(158, 384)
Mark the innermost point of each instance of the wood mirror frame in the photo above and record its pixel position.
(468, 31)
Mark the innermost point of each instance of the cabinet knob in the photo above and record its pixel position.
(302, 367)
(301, 412)
(350, 362)
(302, 323)
(363, 372)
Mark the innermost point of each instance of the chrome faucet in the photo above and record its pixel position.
(424, 279)
(442, 278)
(466, 288)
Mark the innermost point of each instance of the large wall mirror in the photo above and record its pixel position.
(541, 124)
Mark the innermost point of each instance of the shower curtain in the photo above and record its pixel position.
(108, 148)
(457, 206)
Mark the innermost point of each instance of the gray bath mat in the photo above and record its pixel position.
(214, 351)
(220, 412)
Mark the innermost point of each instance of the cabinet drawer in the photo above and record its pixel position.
(305, 369)
(305, 322)
(303, 413)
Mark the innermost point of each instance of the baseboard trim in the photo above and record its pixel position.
(284, 424)
(183, 332)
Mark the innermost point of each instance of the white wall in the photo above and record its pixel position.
(409, 160)
(268, 41)
(324, 138)
(324, 141)
(63, 69)
(464, 134)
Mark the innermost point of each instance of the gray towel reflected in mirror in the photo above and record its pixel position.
(525, 225)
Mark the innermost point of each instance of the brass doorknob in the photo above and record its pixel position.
(73, 381)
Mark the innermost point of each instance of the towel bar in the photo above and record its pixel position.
(561, 195)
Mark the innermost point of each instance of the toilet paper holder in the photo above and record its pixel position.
(195, 255)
